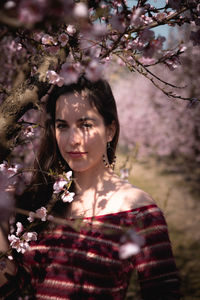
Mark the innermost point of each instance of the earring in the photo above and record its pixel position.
(112, 165)
(106, 163)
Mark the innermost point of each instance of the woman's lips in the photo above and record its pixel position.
(76, 154)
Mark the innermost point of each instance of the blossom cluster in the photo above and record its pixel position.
(60, 187)
(91, 34)
(21, 236)
(21, 242)
(162, 127)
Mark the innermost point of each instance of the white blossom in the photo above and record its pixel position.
(67, 196)
(17, 243)
(128, 249)
(30, 236)
(71, 30)
(31, 216)
(61, 182)
(80, 10)
(40, 213)
(59, 185)
(20, 228)
(54, 78)
(63, 39)
(48, 40)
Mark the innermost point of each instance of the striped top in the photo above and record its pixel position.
(71, 263)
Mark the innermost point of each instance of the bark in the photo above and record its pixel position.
(14, 106)
(24, 97)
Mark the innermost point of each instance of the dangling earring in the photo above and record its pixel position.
(106, 163)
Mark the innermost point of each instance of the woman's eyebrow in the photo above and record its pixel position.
(60, 120)
(83, 119)
(86, 119)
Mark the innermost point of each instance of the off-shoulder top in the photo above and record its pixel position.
(82, 262)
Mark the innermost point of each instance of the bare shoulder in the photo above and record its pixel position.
(132, 197)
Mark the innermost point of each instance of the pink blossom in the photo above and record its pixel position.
(18, 244)
(130, 244)
(124, 173)
(117, 23)
(160, 16)
(146, 35)
(40, 213)
(54, 78)
(11, 224)
(147, 60)
(61, 182)
(80, 10)
(99, 30)
(52, 49)
(9, 171)
(94, 70)
(136, 20)
(172, 62)
(21, 244)
(128, 249)
(29, 132)
(31, 216)
(67, 196)
(71, 30)
(70, 72)
(9, 4)
(48, 40)
(182, 49)
(154, 46)
(59, 185)
(63, 39)
(37, 35)
(68, 175)
(20, 228)
(30, 236)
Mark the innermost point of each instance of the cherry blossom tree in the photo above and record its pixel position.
(155, 123)
(52, 42)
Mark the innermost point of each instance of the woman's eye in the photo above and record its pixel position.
(61, 126)
(86, 125)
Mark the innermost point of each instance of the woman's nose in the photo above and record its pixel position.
(74, 136)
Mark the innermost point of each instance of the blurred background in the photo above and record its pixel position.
(160, 148)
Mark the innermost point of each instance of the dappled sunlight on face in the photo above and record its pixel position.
(80, 132)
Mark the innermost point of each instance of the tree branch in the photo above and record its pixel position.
(20, 100)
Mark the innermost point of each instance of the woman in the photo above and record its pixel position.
(83, 261)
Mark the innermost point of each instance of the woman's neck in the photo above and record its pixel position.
(92, 180)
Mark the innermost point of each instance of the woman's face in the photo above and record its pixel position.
(81, 133)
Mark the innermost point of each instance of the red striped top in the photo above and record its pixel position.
(67, 263)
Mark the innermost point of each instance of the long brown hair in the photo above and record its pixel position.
(100, 96)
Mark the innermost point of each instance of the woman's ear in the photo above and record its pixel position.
(110, 131)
